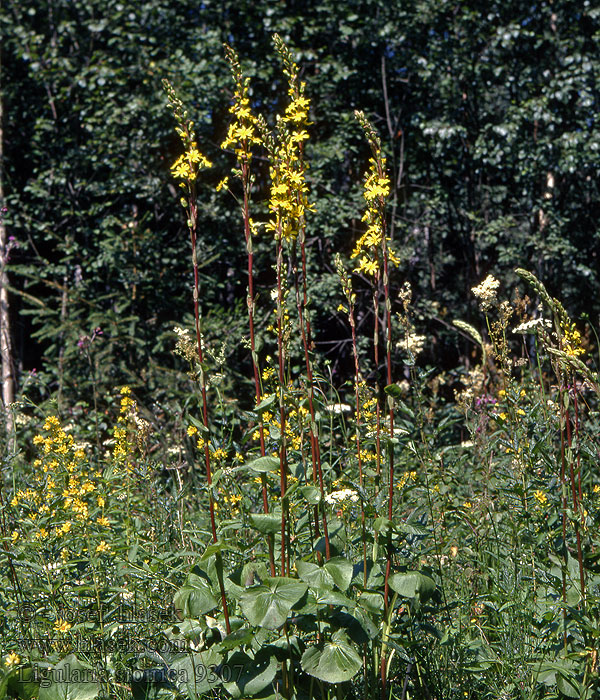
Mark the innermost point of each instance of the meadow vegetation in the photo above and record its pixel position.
(404, 533)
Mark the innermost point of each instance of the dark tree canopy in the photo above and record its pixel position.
(487, 112)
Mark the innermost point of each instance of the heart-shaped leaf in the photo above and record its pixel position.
(341, 571)
(335, 661)
(70, 679)
(194, 598)
(269, 604)
(315, 576)
(250, 676)
(413, 584)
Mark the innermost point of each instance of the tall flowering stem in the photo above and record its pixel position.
(566, 364)
(351, 300)
(186, 169)
(288, 204)
(294, 123)
(279, 208)
(241, 136)
(374, 258)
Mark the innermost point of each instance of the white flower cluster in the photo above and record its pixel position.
(341, 496)
(533, 325)
(338, 408)
(486, 292)
(413, 343)
(185, 346)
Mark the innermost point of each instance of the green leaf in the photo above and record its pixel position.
(265, 403)
(371, 602)
(242, 636)
(393, 390)
(263, 464)
(269, 604)
(19, 684)
(195, 598)
(383, 525)
(266, 523)
(315, 576)
(312, 494)
(70, 679)
(341, 571)
(216, 547)
(323, 596)
(195, 673)
(198, 424)
(409, 528)
(568, 686)
(334, 662)
(250, 675)
(413, 584)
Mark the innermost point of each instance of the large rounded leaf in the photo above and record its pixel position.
(413, 584)
(337, 571)
(341, 571)
(70, 679)
(266, 523)
(315, 576)
(196, 674)
(269, 604)
(249, 676)
(194, 598)
(334, 662)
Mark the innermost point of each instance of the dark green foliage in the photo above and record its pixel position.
(486, 115)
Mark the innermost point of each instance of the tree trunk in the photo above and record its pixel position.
(8, 380)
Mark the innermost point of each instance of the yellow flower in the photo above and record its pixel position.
(223, 184)
(369, 267)
(12, 660)
(194, 155)
(62, 626)
(192, 430)
(103, 547)
(541, 498)
(571, 340)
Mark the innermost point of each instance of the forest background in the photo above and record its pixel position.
(488, 118)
